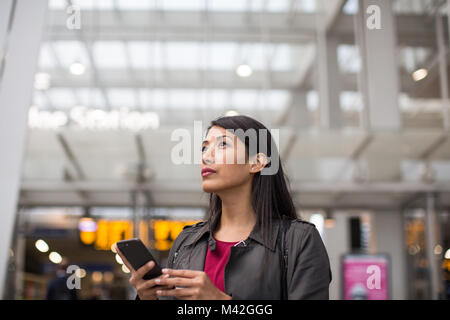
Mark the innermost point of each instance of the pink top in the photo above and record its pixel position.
(215, 262)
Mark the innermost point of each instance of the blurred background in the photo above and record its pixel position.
(92, 90)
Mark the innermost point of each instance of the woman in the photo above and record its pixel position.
(235, 253)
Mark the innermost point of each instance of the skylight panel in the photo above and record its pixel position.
(277, 99)
(91, 97)
(135, 4)
(278, 5)
(183, 98)
(140, 54)
(109, 54)
(84, 4)
(119, 98)
(244, 99)
(350, 101)
(46, 57)
(184, 5)
(61, 98)
(281, 60)
(57, 4)
(39, 99)
(218, 99)
(222, 55)
(307, 6)
(153, 99)
(348, 58)
(69, 52)
(228, 5)
(182, 55)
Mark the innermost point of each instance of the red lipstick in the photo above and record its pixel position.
(207, 171)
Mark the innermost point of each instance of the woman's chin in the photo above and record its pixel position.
(208, 187)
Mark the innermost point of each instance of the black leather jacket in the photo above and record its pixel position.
(308, 271)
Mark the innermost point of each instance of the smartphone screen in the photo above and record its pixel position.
(137, 255)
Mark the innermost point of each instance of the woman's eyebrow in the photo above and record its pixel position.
(207, 141)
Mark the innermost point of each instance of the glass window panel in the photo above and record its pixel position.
(122, 98)
(69, 52)
(182, 55)
(109, 54)
(46, 57)
(91, 98)
(222, 55)
(61, 98)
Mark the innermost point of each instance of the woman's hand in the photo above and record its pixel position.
(190, 285)
(146, 289)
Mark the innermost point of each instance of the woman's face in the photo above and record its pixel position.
(224, 153)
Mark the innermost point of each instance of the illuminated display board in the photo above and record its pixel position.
(107, 232)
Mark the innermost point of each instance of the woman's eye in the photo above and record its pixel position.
(223, 143)
(203, 148)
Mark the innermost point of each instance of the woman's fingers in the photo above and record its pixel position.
(137, 276)
(177, 292)
(179, 282)
(184, 273)
(147, 284)
(140, 273)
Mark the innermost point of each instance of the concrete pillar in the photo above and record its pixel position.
(16, 87)
(389, 238)
(337, 242)
(299, 116)
(380, 79)
(432, 236)
(328, 81)
(6, 9)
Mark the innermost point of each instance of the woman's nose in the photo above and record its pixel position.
(208, 156)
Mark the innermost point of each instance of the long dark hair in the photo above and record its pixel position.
(271, 197)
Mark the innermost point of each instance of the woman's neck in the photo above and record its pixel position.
(238, 217)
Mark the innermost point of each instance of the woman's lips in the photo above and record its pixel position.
(207, 173)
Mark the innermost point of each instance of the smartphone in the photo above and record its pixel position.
(137, 255)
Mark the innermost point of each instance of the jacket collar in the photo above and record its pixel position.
(209, 226)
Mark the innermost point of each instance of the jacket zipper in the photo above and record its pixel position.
(285, 256)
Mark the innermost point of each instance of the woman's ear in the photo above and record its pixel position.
(258, 163)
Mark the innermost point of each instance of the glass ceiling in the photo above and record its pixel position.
(139, 63)
(171, 55)
(189, 5)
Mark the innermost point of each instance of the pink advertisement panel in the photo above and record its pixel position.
(365, 277)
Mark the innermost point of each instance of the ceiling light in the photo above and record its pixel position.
(231, 113)
(77, 68)
(41, 81)
(87, 225)
(125, 269)
(41, 245)
(97, 276)
(244, 70)
(108, 276)
(119, 259)
(419, 74)
(438, 249)
(55, 257)
(81, 273)
(447, 254)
